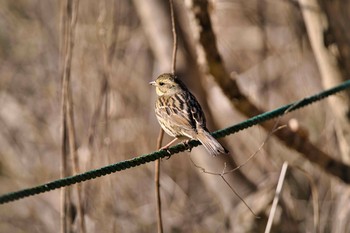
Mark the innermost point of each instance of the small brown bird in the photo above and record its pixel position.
(180, 115)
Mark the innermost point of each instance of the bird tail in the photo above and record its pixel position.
(210, 143)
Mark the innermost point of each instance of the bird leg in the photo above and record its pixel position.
(185, 143)
(169, 144)
(166, 147)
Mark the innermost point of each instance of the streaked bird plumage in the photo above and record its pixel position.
(180, 115)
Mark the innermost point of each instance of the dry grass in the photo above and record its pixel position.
(30, 105)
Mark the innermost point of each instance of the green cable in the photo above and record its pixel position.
(146, 158)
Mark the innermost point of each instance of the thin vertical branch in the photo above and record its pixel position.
(173, 67)
(212, 63)
(161, 132)
(63, 170)
(157, 184)
(67, 107)
(64, 152)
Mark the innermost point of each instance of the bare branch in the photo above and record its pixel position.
(330, 72)
(214, 65)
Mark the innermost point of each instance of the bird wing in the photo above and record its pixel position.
(181, 113)
(174, 119)
(197, 113)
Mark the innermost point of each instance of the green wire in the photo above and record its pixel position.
(146, 158)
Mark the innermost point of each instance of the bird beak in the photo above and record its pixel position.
(153, 83)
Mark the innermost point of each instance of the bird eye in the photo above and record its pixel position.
(161, 83)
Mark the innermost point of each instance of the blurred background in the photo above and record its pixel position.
(118, 47)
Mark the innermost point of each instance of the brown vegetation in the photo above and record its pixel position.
(266, 55)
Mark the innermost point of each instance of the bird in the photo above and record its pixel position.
(180, 115)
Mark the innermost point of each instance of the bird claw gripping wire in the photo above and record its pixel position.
(187, 145)
(168, 153)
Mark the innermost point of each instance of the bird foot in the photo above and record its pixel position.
(187, 146)
(166, 148)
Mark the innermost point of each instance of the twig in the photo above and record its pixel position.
(63, 168)
(245, 162)
(235, 192)
(214, 65)
(68, 120)
(161, 132)
(63, 50)
(157, 185)
(174, 36)
(258, 150)
(276, 198)
(274, 129)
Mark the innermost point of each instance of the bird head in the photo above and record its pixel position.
(167, 84)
